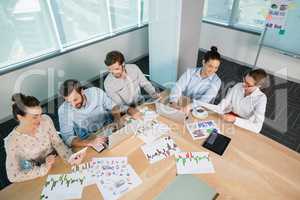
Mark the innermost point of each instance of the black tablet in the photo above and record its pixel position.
(216, 142)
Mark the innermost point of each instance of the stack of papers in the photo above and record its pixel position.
(149, 128)
(160, 149)
(201, 129)
(148, 115)
(112, 175)
(193, 163)
(149, 131)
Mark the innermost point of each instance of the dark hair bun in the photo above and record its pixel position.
(214, 49)
(213, 54)
(17, 97)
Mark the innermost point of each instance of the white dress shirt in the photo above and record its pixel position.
(198, 88)
(125, 92)
(250, 109)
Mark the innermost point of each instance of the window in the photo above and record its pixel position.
(81, 20)
(26, 31)
(252, 13)
(243, 14)
(218, 10)
(145, 11)
(32, 29)
(124, 13)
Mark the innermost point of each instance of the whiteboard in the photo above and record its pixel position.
(289, 42)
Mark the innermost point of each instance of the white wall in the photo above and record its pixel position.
(190, 29)
(174, 31)
(42, 80)
(242, 47)
(164, 33)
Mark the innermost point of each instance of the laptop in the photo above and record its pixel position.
(117, 137)
(170, 113)
(114, 137)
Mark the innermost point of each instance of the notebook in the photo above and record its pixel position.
(187, 187)
(216, 142)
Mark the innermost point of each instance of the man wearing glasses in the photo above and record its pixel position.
(244, 104)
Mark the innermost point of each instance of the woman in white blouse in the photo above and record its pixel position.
(32, 145)
(200, 84)
(244, 104)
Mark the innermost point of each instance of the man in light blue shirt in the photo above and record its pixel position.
(84, 112)
(200, 84)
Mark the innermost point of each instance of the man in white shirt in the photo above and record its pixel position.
(123, 83)
(244, 104)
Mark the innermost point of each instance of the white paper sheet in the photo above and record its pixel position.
(160, 149)
(149, 131)
(193, 163)
(114, 176)
(63, 186)
(105, 167)
(86, 170)
(201, 129)
(113, 187)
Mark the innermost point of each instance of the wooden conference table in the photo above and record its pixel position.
(252, 167)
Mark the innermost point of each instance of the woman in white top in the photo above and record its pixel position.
(32, 145)
(200, 84)
(244, 104)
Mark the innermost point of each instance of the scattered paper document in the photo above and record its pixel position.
(193, 163)
(160, 149)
